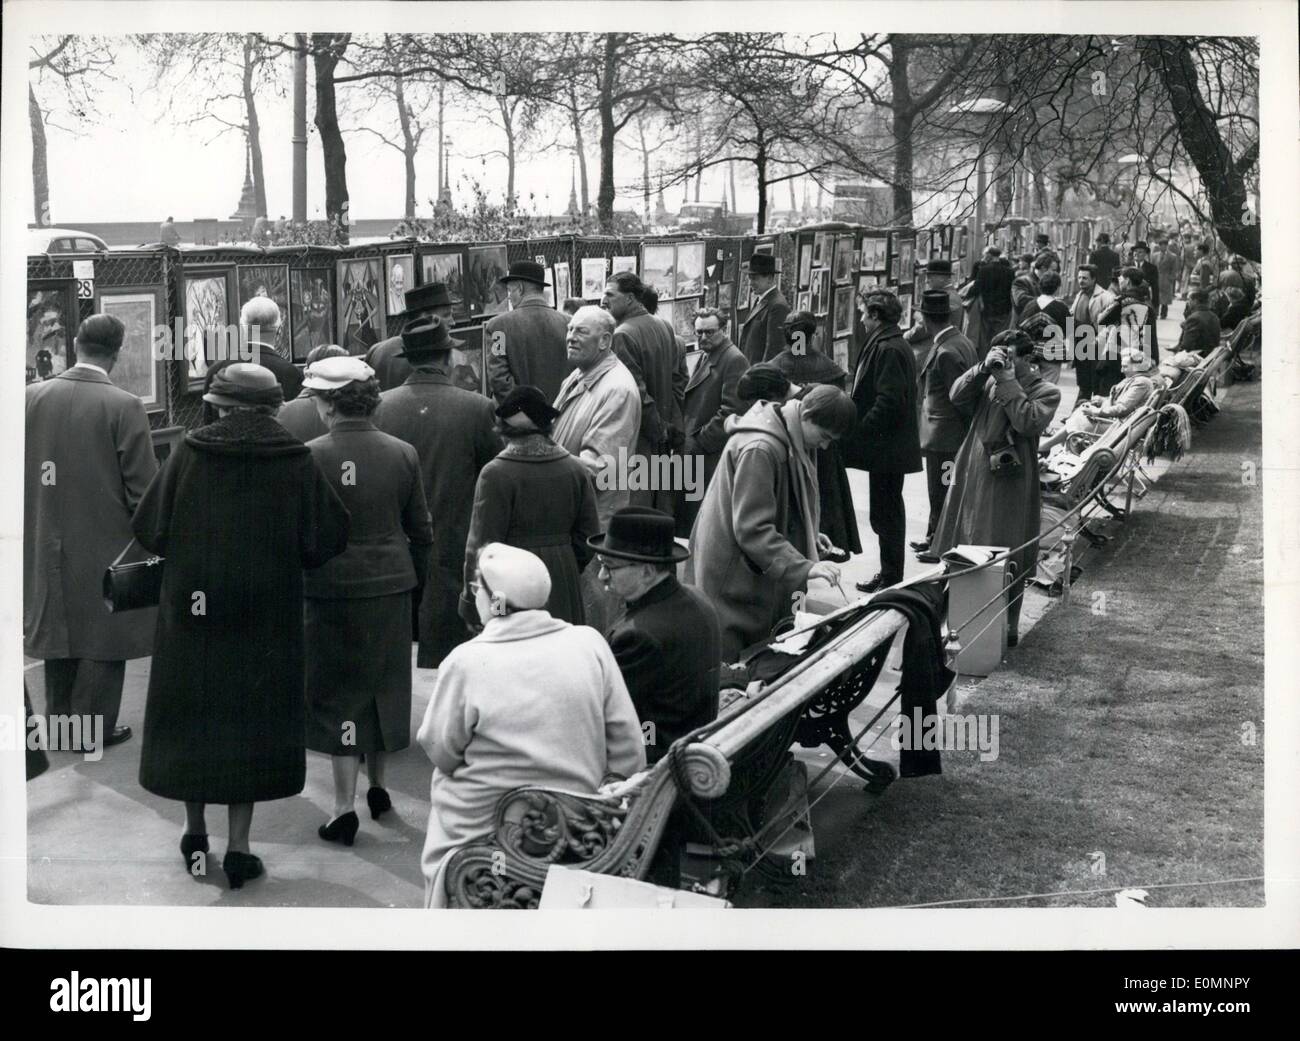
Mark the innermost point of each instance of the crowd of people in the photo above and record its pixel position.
(319, 522)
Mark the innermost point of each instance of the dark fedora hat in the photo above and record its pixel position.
(640, 533)
(525, 271)
(1140, 244)
(531, 402)
(762, 264)
(939, 267)
(426, 298)
(426, 336)
(935, 303)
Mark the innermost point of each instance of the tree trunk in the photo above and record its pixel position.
(699, 161)
(580, 149)
(508, 123)
(327, 56)
(901, 128)
(605, 196)
(645, 169)
(442, 87)
(254, 131)
(1225, 186)
(300, 129)
(408, 145)
(40, 162)
(760, 167)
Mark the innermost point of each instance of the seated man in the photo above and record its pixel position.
(1201, 328)
(1129, 394)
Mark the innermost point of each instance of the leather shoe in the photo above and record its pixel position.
(920, 546)
(926, 557)
(118, 735)
(870, 585)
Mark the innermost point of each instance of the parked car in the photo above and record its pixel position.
(63, 240)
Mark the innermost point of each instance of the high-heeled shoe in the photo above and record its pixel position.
(240, 867)
(378, 801)
(340, 829)
(191, 844)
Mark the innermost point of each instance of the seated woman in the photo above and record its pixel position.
(757, 539)
(531, 700)
(1130, 393)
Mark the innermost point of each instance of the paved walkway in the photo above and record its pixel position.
(96, 837)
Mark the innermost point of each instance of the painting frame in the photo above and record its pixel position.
(840, 352)
(905, 302)
(684, 310)
(313, 319)
(436, 265)
(483, 292)
(657, 274)
(688, 272)
(44, 292)
(595, 272)
(628, 264)
(205, 276)
(843, 271)
(805, 264)
(405, 262)
(822, 290)
(726, 297)
(842, 325)
(272, 276)
(366, 303)
(141, 337)
(562, 280)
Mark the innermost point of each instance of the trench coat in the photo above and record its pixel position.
(454, 433)
(710, 399)
(538, 497)
(239, 511)
(988, 509)
(531, 700)
(752, 545)
(88, 460)
(525, 347)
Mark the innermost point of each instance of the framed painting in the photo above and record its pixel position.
(905, 302)
(563, 288)
(360, 306)
(467, 369)
(843, 322)
(726, 296)
(893, 269)
(483, 292)
(906, 261)
(52, 320)
(805, 265)
(312, 305)
(822, 291)
(689, 280)
(684, 317)
(593, 277)
(840, 353)
(711, 295)
(821, 248)
(164, 440)
(874, 254)
(658, 267)
(272, 281)
(399, 276)
(448, 268)
(623, 264)
(867, 283)
(843, 259)
(803, 301)
(140, 364)
(208, 295)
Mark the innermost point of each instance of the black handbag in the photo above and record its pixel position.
(129, 587)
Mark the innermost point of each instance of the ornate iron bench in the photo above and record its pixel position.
(729, 767)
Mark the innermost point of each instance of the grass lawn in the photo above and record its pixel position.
(1123, 735)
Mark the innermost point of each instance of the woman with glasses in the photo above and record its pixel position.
(531, 700)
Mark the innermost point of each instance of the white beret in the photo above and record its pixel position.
(332, 373)
(515, 574)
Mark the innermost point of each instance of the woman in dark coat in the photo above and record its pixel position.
(805, 365)
(359, 604)
(1013, 406)
(535, 496)
(239, 511)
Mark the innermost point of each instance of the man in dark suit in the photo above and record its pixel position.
(647, 346)
(89, 459)
(886, 443)
(710, 398)
(1151, 276)
(260, 321)
(386, 359)
(525, 346)
(992, 278)
(453, 432)
(1105, 260)
(1201, 326)
(938, 275)
(943, 425)
(762, 335)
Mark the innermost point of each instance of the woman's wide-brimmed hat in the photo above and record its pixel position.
(640, 533)
(242, 383)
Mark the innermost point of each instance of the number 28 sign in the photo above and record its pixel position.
(84, 273)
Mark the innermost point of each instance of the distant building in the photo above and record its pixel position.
(857, 202)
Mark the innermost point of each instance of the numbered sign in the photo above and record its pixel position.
(84, 273)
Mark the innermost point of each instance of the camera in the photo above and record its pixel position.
(1003, 460)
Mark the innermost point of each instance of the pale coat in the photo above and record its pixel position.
(752, 546)
(531, 700)
(77, 515)
(600, 412)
